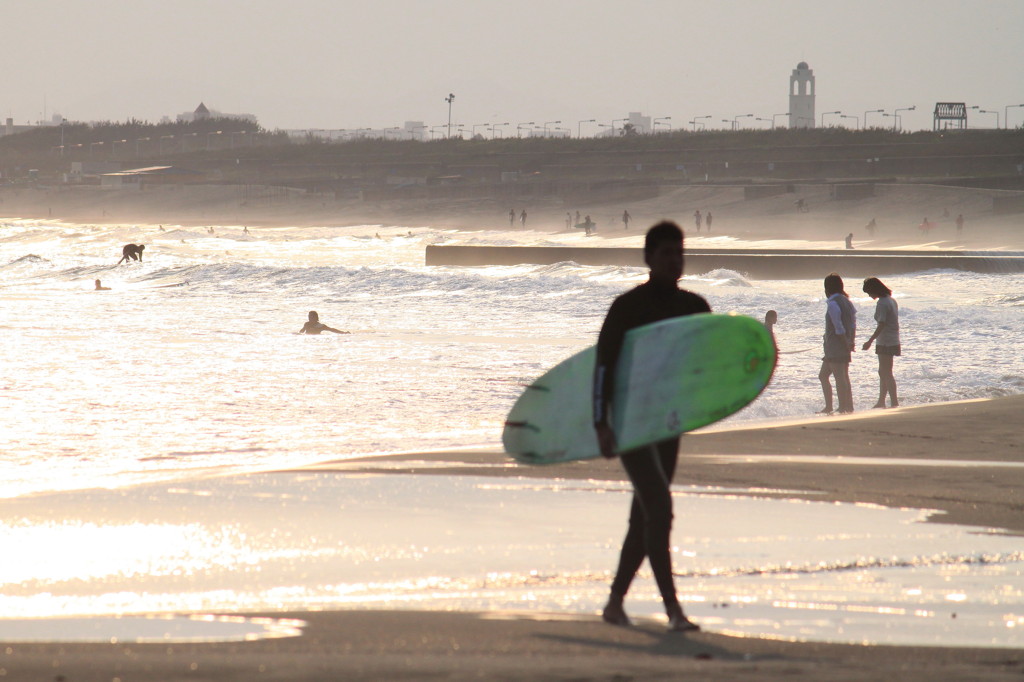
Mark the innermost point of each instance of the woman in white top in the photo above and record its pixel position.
(887, 315)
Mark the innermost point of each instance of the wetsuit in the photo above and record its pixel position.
(650, 468)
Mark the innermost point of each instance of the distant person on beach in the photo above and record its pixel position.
(131, 252)
(926, 225)
(800, 205)
(625, 220)
(849, 241)
(100, 287)
(887, 333)
(650, 469)
(568, 220)
(162, 228)
(511, 217)
(315, 326)
(588, 225)
(707, 221)
(697, 219)
(840, 336)
(870, 227)
(577, 218)
(771, 318)
(959, 224)
(245, 229)
(522, 218)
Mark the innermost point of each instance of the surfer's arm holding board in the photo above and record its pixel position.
(660, 298)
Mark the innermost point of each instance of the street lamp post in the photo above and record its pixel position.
(617, 120)
(137, 141)
(985, 111)
(433, 129)
(654, 124)
(773, 118)
(827, 113)
(548, 123)
(412, 132)
(209, 137)
(1006, 114)
(766, 120)
(736, 120)
(579, 126)
(899, 120)
(697, 119)
(873, 111)
(472, 132)
(732, 124)
(450, 98)
(856, 126)
(494, 128)
(520, 127)
(62, 122)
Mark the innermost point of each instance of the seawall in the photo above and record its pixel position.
(760, 264)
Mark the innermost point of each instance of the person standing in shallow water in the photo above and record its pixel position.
(839, 339)
(650, 469)
(887, 333)
(315, 326)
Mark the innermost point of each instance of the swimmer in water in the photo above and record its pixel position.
(100, 287)
(315, 326)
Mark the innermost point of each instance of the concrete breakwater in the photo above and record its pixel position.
(757, 263)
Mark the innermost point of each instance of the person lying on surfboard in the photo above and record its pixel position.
(650, 468)
(315, 326)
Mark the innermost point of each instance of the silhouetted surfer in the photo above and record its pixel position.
(650, 468)
(132, 252)
(315, 326)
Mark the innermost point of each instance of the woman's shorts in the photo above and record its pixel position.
(887, 350)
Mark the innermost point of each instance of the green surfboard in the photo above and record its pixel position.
(673, 376)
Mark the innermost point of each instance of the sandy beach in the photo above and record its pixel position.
(965, 460)
(910, 457)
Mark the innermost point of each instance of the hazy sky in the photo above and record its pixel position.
(379, 63)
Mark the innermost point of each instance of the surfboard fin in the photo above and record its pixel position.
(538, 387)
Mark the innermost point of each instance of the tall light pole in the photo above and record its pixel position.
(773, 118)
(766, 120)
(1006, 114)
(522, 125)
(696, 119)
(896, 113)
(736, 123)
(856, 126)
(494, 128)
(579, 126)
(62, 122)
(873, 111)
(617, 120)
(450, 98)
(654, 124)
(474, 127)
(827, 113)
(985, 111)
(548, 123)
(412, 132)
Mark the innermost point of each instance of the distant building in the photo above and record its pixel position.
(202, 113)
(801, 97)
(641, 124)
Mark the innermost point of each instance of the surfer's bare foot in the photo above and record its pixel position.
(827, 410)
(614, 613)
(878, 406)
(895, 403)
(678, 622)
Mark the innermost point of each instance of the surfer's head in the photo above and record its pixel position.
(313, 317)
(874, 288)
(834, 284)
(663, 251)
